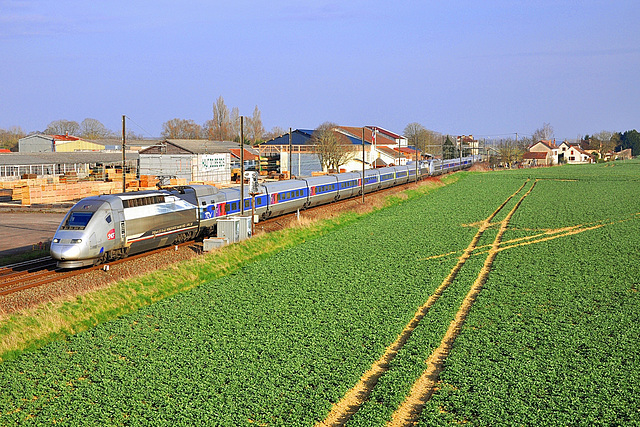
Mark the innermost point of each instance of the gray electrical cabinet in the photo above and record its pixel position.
(229, 228)
(245, 227)
(235, 229)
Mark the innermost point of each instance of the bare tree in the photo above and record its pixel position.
(543, 133)
(427, 141)
(332, 147)
(61, 127)
(275, 132)
(604, 141)
(181, 129)
(509, 151)
(255, 130)
(234, 126)
(9, 138)
(93, 129)
(219, 128)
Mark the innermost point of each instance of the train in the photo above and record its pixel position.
(104, 228)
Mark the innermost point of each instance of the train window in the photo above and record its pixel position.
(204, 203)
(78, 220)
(247, 204)
(108, 219)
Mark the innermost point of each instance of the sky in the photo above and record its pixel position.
(488, 68)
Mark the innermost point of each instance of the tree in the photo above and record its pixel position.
(427, 141)
(234, 126)
(332, 147)
(604, 141)
(275, 132)
(9, 138)
(220, 127)
(449, 150)
(181, 129)
(631, 139)
(93, 129)
(544, 133)
(62, 127)
(255, 130)
(509, 151)
(415, 132)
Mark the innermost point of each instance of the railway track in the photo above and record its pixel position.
(18, 277)
(28, 274)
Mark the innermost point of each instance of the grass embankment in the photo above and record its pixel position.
(25, 256)
(34, 328)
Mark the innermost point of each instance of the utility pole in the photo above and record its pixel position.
(363, 165)
(290, 148)
(242, 166)
(124, 158)
(416, 159)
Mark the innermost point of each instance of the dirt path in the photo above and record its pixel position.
(408, 411)
(354, 398)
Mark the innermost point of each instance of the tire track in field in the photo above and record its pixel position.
(343, 410)
(409, 410)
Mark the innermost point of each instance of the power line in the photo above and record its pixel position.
(143, 129)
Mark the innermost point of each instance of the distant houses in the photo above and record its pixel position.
(547, 153)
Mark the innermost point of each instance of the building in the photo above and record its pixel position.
(572, 154)
(470, 146)
(537, 158)
(39, 143)
(83, 164)
(193, 159)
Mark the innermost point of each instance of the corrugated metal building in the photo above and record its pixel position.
(56, 144)
(14, 165)
(190, 159)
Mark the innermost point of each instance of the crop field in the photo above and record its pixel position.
(507, 298)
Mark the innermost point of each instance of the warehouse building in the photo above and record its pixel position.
(193, 159)
(93, 165)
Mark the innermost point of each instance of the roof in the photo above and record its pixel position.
(65, 138)
(248, 154)
(547, 143)
(298, 137)
(381, 138)
(5, 150)
(390, 151)
(386, 132)
(190, 146)
(19, 159)
(406, 150)
(539, 155)
(303, 136)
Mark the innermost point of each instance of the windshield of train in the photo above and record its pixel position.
(78, 220)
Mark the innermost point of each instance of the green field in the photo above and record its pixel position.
(552, 338)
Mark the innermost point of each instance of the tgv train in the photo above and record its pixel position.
(103, 228)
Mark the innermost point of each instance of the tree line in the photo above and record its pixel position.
(511, 149)
(224, 126)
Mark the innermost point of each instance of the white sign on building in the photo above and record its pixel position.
(213, 162)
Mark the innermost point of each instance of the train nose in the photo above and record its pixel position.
(65, 251)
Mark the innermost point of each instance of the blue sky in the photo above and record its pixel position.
(461, 67)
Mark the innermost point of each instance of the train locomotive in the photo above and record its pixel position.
(104, 228)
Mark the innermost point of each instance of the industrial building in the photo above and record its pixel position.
(193, 160)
